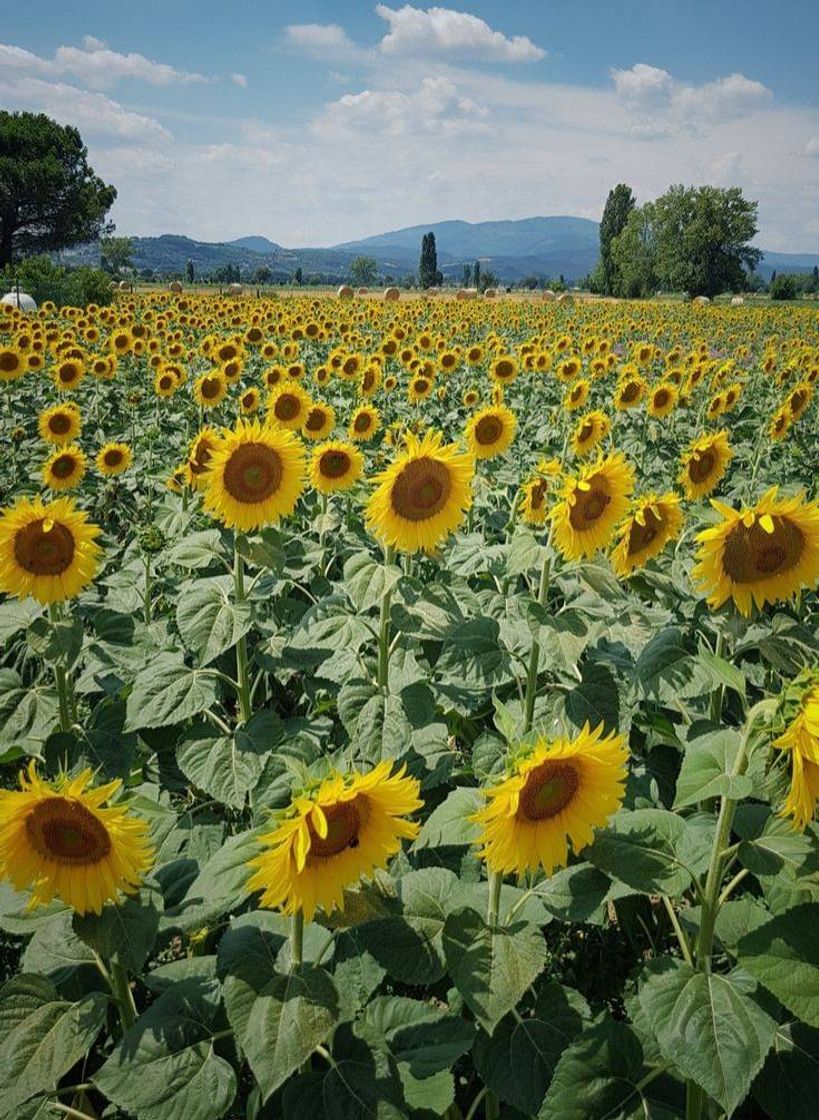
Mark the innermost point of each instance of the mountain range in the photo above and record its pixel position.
(541, 246)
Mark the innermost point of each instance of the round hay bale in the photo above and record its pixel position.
(392, 294)
(125, 286)
(490, 293)
(737, 301)
(112, 287)
(362, 291)
(344, 292)
(701, 301)
(21, 300)
(234, 289)
(549, 296)
(565, 298)
(174, 286)
(461, 294)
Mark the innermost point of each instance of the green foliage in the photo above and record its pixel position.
(428, 275)
(363, 271)
(619, 205)
(782, 288)
(66, 287)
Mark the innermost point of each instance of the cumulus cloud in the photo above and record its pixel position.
(812, 146)
(659, 96)
(436, 106)
(239, 80)
(443, 31)
(94, 64)
(321, 40)
(93, 113)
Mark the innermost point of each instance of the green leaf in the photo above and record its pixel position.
(578, 893)
(17, 615)
(356, 973)
(124, 933)
(198, 550)
(56, 641)
(55, 950)
(218, 888)
(640, 848)
(166, 1067)
(769, 844)
(667, 669)
(449, 824)
(709, 1026)
(473, 655)
(227, 767)
(279, 1020)
(27, 714)
(524, 554)
(17, 916)
(722, 672)
(41, 1037)
(517, 1062)
(705, 770)
(492, 967)
(783, 955)
(209, 619)
(595, 699)
(366, 582)
(168, 692)
(416, 1034)
(408, 942)
(788, 1086)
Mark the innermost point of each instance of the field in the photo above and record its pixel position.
(408, 709)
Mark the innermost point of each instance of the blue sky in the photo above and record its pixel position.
(317, 122)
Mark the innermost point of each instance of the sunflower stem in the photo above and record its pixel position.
(534, 656)
(61, 678)
(123, 995)
(148, 591)
(384, 623)
(492, 910)
(296, 941)
(242, 675)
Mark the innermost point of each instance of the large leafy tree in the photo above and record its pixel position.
(428, 275)
(50, 197)
(364, 270)
(619, 205)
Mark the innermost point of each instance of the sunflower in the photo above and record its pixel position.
(289, 405)
(13, 364)
(166, 384)
(471, 397)
(704, 464)
(365, 423)
(557, 793)
(210, 389)
(57, 840)
(592, 427)
(716, 406)
(64, 468)
(533, 506)
(780, 423)
(799, 399)
(335, 465)
(592, 505)
(47, 550)
(370, 381)
(577, 396)
(199, 456)
(60, 424)
(490, 431)
(652, 523)
(113, 458)
(629, 392)
(255, 476)
(319, 421)
(249, 401)
(331, 836)
(760, 555)
(662, 399)
(503, 370)
(67, 374)
(801, 738)
(422, 497)
(420, 388)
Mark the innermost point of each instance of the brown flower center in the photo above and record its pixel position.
(59, 424)
(586, 432)
(641, 536)
(334, 464)
(661, 398)
(537, 494)
(343, 827)
(362, 422)
(64, 831)
(488, 430)
(287, 407)
(630, 392)
(504, 368)
(68, 373)
(421, 489)
(315, 420)
(752, 554)
(198, 463)
(210, 388)
(253, 473)
(113, 457)
(9, 361)
(589, 506)
(63, 466)
(44, 552)
(702, 467)
(548, 790)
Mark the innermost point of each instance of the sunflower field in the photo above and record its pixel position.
(408, 710)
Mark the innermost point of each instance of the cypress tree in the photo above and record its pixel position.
(428, 265)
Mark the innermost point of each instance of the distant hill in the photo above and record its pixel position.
(543, 247)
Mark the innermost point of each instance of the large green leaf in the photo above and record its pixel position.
(788, 1086)
(56, 641)
(418, 1035)
(783, 955)
(166, 1067)
(228, 767)
(518, 1060)
(667, 668)
(209, 619)
(219, 887)
(579, 893)
(595, 699)
(124, 932)
(643, 848)
(366, 582)
(492, 967)
(167, 692)
(41, 1037)
(27, 713)
(706, 770)
(708, 1025)
(450, 823)
(279, 1019)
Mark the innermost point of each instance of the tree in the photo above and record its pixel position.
(364, 271)
(428, 265)
(116, 254)
(783, 288)
(467, 275)
(50, 197)
(816, 277)
(297, 276)
(619, 205)
(190, 272)
(634, 255)
(476, 274)
(262, 275)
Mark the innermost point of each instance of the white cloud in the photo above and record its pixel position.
(93, 113)
(322, 40)
(239, 80)
(659, 96)
(436, 106)
(812, 146)
(95, 65)
(444, 31)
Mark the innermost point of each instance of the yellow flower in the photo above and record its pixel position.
(365, 423)
(319, 421)
(629, 392)
(67, 374)
(249, 401)
(801, 738)
(662, 399)
(113, 459)
(47, 551)
(202, 447)
(591, 428)
(420, 388)
(760, 555)
(577, 396)
(780, 423)
(255, 476)
(288, 405)
(12, 364)
(652, 523)
(210, 389)
(58, 840)
(557, 794)
(329, 838)
(503, 370)
(422, 497)
(490, 431)
(64, 468)
(704, 464)
(592, 504)
(533, 506)
(166, 384)
(60, 424)
(335, 465)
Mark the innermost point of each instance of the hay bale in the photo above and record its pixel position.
(701, 301)
(737, 301)
(21, 300)
(392, 294)
(125, 286)
(344, 292)
(565, 298)
(549, 296)
(490, 293)
(234, 289)
(174, 286)
(362, 291)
